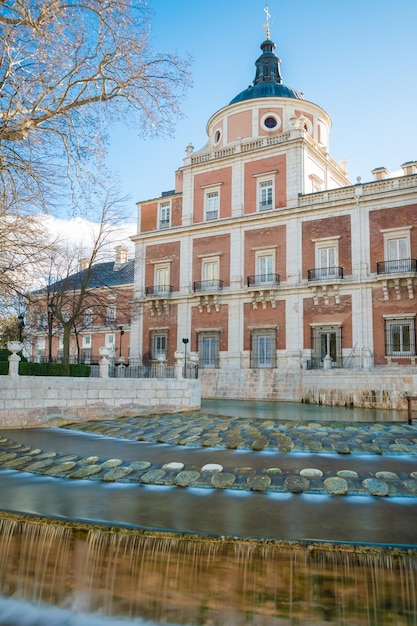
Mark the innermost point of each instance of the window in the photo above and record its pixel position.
(327, 341)
(210, 273)
(327, 259)
(159, 345)
(400, 336)
(88, 317)
(109, 341)
(263, 348)
(86, 343)
(265, 265)
(111, 315)
(397, 253)
(265, 195)
(162, 277)
(164, 215)
(208, 349)
(42, 321)
(211, 205)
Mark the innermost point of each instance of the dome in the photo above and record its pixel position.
(267, 90)
(268, 81)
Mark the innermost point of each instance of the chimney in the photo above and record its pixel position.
(121, 256)
(380, 173)
(410, 167)
(83, 264)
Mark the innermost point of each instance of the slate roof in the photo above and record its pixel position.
(107, 274)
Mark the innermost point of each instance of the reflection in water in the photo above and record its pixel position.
(163, 578)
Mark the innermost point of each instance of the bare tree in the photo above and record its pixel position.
(68, 68)
(70, 290)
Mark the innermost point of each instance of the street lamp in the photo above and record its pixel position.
(21, 326)
(51, 310)
(185, 341)
(122, 332)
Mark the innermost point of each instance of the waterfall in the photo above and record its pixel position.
(153, 578)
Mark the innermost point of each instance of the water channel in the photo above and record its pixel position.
(314, 558)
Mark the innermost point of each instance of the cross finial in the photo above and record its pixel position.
(266, 25)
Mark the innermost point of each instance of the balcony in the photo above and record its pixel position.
(263, 280)
(325, 273)
(159, 290)
(400, 266)
(208, 285)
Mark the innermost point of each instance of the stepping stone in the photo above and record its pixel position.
(341, 447)
(60, 468)
(86, 471)
(311, 473)
(260, 443)
(259, 483)
(173, 466)
(183, 479)
(89, 460)
(273, 470)
(296, 484)
(410, 485)
(387, 476)
(222, 480)
(313, 446)
(140, 465)
(153, 476)
(18, 462)
(347, 474)
(116, 473)
(376, 487)
(7, 456)
(212, 467)
(336, 486)
(112, 463)
(39, 465)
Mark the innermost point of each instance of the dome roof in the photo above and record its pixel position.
(268, 81)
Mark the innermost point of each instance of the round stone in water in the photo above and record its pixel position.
(310, 472)
(212, 467)
(173, 466)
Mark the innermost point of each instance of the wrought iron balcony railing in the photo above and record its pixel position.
(208, 285)
(400, 266)
(263, 280)
(158, 290)
(325, 273)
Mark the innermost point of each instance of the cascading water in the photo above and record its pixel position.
(91, 572)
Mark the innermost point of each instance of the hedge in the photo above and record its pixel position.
(49, 369)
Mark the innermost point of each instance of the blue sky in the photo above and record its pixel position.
(356, 59)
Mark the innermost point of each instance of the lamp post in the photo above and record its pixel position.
(21, 326)
(122, 332)
(50, 321)
(185, 341)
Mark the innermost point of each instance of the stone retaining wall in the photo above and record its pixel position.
(380, 388)
(30, 401)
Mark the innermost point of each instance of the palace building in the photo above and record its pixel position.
(266, 257)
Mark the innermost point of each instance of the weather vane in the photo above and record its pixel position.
(266, 25)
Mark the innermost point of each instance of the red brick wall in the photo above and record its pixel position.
(224, 178)
(163, 252)
(338, 226)
(390, 218)
(215, 320)
(165, 322)
(251, 182)
(331, 313)
(149, 216)
(265, 317)
(274, 237)
(210, 245)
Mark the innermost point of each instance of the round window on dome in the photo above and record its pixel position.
(270, 121)
(217, 137)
